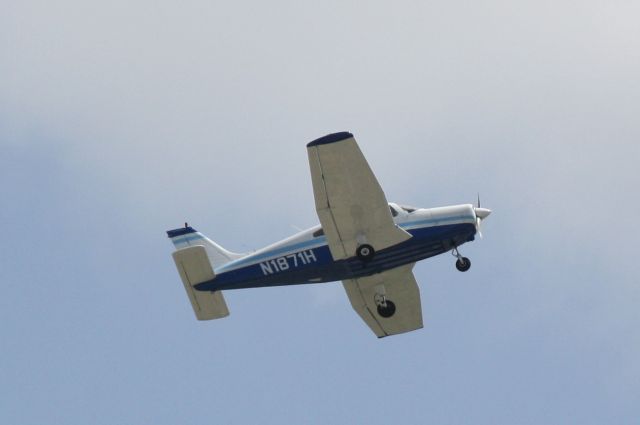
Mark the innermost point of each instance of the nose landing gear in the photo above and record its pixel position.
(462, 263)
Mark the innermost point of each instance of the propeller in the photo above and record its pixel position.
(481, 214)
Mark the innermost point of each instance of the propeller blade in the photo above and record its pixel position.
(481, 214)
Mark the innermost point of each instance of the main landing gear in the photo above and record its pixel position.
(462, 263)
(386, 308)
(365, 252)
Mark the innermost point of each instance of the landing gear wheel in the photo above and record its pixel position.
(365, 252)
(388, 310)
(463, 264)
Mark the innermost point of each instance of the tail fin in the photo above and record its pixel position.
(196, 257)
(188, 236)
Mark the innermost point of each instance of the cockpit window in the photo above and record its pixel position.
(408, 208)
(393, 211)
(318, 233)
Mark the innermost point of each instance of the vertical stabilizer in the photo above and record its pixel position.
(187, 236)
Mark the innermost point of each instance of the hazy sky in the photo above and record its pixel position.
(120, 120)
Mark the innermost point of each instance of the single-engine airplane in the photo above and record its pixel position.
(363, 240)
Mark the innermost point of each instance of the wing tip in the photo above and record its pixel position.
(331, 138)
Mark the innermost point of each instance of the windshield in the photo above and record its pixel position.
(407, 208)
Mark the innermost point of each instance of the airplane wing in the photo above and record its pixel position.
(349, 200)
(402, 296)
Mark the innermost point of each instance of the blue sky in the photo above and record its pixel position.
(119, 121)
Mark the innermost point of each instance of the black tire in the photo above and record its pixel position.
(463, 264)
(365, 252)
(387, 311)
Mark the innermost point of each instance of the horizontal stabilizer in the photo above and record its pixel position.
(194, 267)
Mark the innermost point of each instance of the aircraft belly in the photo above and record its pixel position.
(426, 242)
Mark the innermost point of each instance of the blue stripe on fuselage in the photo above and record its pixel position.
(317, 242)
(435, 221)
(426, 242)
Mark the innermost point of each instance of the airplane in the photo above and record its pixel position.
(368, 243)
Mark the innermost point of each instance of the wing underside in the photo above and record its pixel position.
(393, 291)
(350, 203)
